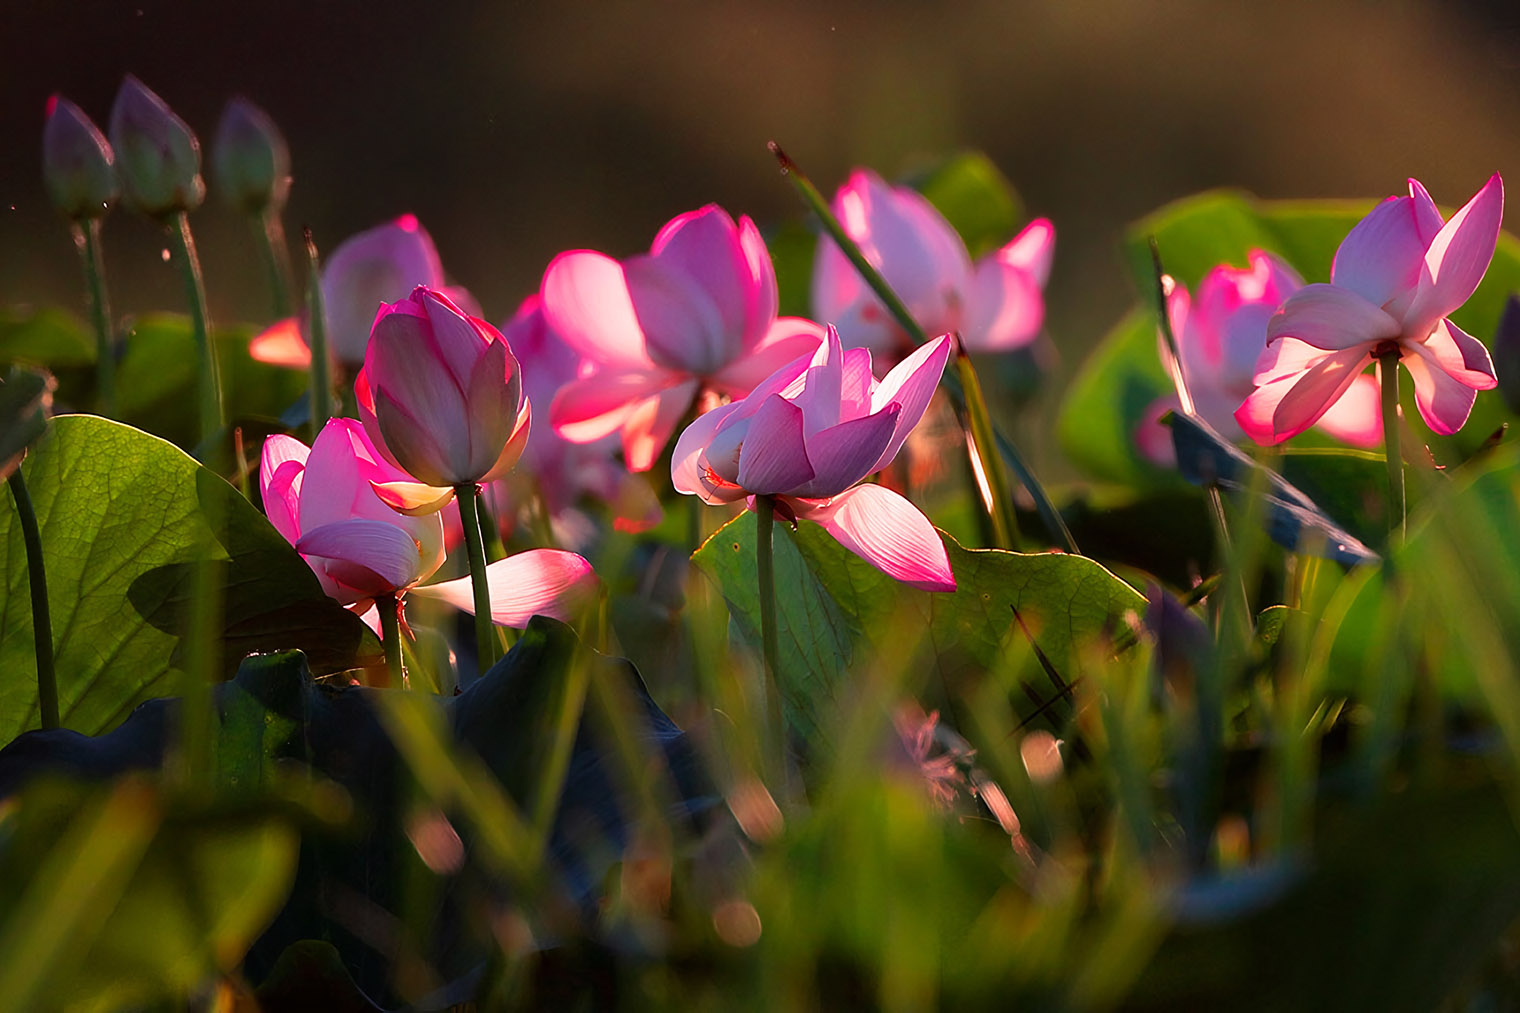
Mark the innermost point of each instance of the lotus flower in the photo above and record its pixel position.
(698, 313)
(361, 549)
(157, 155)
(807, 434)
(441, 397)
(379, 265)
(1397, 275)
(997, 304)
(77, 163)
(249, 159)
(1220, 334)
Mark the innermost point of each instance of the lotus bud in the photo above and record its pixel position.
(249, 160)
(76, 162)
(157, 154)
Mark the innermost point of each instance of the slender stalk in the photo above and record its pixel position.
(1388, 355)
(87, 242)
(978, 423)
(475, 548)
(213, 412)
(765, 576)
(42, 623)
(1055, 526)
(321, 360)
(271, 233)
(390, 636)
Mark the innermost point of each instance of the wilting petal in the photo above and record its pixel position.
(370, 556)
(586, 301)
(847, 453)
(1461, 355)
(649, 426)
(1331, 318)
(546, 582)
(685, 463)
(595, 406)
(281, 344)
(1383, 254)
(911, 384)
(886, 531)
(774, 455)
(1357, 418)
(1458, 257)
(788, 339)
(1286, 407)
(683, 327)
(1032, 249)
(1443, 400)
(1004, 307)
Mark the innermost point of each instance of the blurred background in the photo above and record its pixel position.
(516, 130)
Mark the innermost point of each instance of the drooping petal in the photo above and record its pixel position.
(1005, 308)
(650, 425)
(1443, 400)
(789, 338)
(1382, 256)
(586, 301)
(547, 582)
(1287, 406)
(1285, 357)
(683, 326)
(774, 456)
(1356, 418)
(1461, 356)
(369, 556)
(1032, 249)
(886, 531)
(911, 384)
(281, 344)
(847, 453)
(1332, 318)
(685, 463)
(1457, 258)
(595, 406)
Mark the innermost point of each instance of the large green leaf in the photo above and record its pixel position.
(1123, 376)
(45, 336)
(123, 515)
(831, 601)
(975, 198)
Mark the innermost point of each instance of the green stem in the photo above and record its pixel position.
(390, 636)
(475, 548)
(42, 623)
(1055, 526)
(213, 412)
(1388, 367)
(978, 422)
(87, 241)
(321, 360)
(271, 234)
(765, 576)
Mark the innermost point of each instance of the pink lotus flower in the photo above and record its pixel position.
(807, 434)
(997, 304)
(1220, 335)
(441, 397)
(361, 549)
(698, 313)
(1395, 278)
(379, 265)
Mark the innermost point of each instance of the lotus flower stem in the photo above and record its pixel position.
(321, 360)
(270, 232)
(87, 241)
(1055, 526)
(42, 623)
(1388, 355)
(213, 412)
(765, 577)
(468, 495)
(390, 635)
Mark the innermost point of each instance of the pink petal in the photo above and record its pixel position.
(911, 384)
(1005, 308)
(1461, 355)
(494, 397)
(650, 425)
(886, 531)
(1427, 217)
(370, 556)
(1032, 249)
(457, 340)
(282, 463)
(281, 344)
(820, 396)
(1286, 357)
(704, 248)
(1287, 406)
(1381, 257)
(774, 457)
(1154, 440)
(1458, 257)
(847, 453)
(413, 498)
(901, 233)
(431, 448)
(1443, 400)
(763, 298)
(1357, 418)
(512, 450)
(1332, 318)
(586, 301)
(684, 329)
(597, 405)
(537, 582)
(789, 339)
(686, 470)
(840, 297)
(381, 265)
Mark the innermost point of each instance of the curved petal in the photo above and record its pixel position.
(886, 531)
(1382, 256)
(1357, 418)
(494, 402)
(1005, 308)
(1458, 257)
(282, 463)
(586, 301)
(684, 328)
(512, 450)
(1285, 357)
(704, 247)
(379, 265)
(773, 458)
(902, 234)
(1287, 406)
(413, 499)
(820, 397)
(1332, 318)
(911, 384)
(1443, 400)
(594, 406)
(762, 296)
(547, 582)
(457, 340)
(415, 443)
(686, 472)
(1461, 356)
(846, 453)
(1032, 249)
(281, 344)
(789, 338)
(650, 425)
(370, 556)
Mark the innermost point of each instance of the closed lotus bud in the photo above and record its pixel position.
(76, 161)
(249, 161)
(156, 153)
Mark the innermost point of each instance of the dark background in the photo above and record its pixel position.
(517, 130)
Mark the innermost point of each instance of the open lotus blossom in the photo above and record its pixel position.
(697, 313)
(1397, 275)
(1220, 333)
(997, 303)
(807, 434)
(441, 397)
(361, 549)
(379, 265)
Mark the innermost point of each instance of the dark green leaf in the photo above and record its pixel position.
(46, 336)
